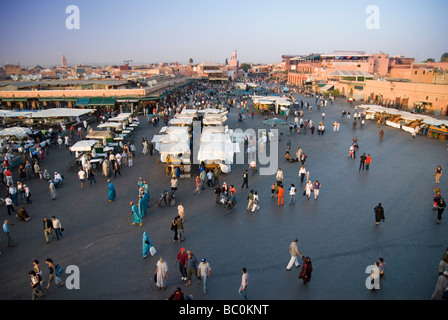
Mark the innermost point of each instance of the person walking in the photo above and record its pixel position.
(294, 252)
(292, 194)
(161, 274)
(280, 194)
(217, 190)
(245, 180)
(57, 227)
(308, 189)
(375, 274)
(111, 193)
(182, 258)
(52, 190)
(82, 177)
(192, 267)
(204, 272)
(136, 218)
(302, 173)
(441, 289)
(48, 226)
(438, 173)
(35, 285)
(316, 188)
(7, 232)
(198, 185)
(307, 269)
(181, 210)
(91, 176)
(440, 208)
(279, 175)
(255, 202)
(443, 264)
(216, 173)
(362, 162)
(52, 274)
(379, 214)
(382, 266)
(147, 244)
(244, 284)
(180, 229)
(250, 199)
(368, 161)
(9, 205)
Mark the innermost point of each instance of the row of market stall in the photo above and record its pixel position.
(409, 122)
(111, 136)
(177, 142)
(271, 104)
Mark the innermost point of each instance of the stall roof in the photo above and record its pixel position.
(60, 113)
(97, 135)
(83, 145)
(17, 132)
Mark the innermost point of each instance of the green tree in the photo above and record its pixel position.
(191, 61)
(444, 57)
(430, 60)
(245, 66)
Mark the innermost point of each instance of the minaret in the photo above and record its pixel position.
(64, 62)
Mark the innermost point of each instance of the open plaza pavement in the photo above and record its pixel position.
(337, 231)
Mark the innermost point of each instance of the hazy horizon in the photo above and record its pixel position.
(111, 32)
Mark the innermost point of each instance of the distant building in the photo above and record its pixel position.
(64, 62)
(211, 71)
(11, 69)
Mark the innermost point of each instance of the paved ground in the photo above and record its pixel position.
(337, 231)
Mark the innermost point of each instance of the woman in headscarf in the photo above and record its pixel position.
(112, 194)
(161, 272)
(146, 244)
(305, 272)
(105, 167)
(141, 206)
(136, 218)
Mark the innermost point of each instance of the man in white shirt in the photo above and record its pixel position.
(294, 251)
(57, 227)
(82, 177)
(244, 283)
(204, 273)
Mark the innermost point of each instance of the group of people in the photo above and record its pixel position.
(188, 266)
(36, 277)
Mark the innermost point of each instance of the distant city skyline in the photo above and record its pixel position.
(111, 32)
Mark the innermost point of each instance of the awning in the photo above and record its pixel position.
(102, 101)
(60, 113)
(327, 87)
(128, 99)
(14, 99)
(82, 102)
(54, 99)
(83, 145)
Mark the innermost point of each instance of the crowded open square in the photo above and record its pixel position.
(317, 178)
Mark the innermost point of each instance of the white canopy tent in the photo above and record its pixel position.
(83, 145)
(60, 113)
(18, 132)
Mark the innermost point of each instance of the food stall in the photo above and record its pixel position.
(173, 144)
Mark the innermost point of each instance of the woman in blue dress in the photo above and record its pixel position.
(141, 206)
(146, 244)
(135, 214)
(111, 195)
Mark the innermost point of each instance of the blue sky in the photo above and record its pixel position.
(34, 32)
